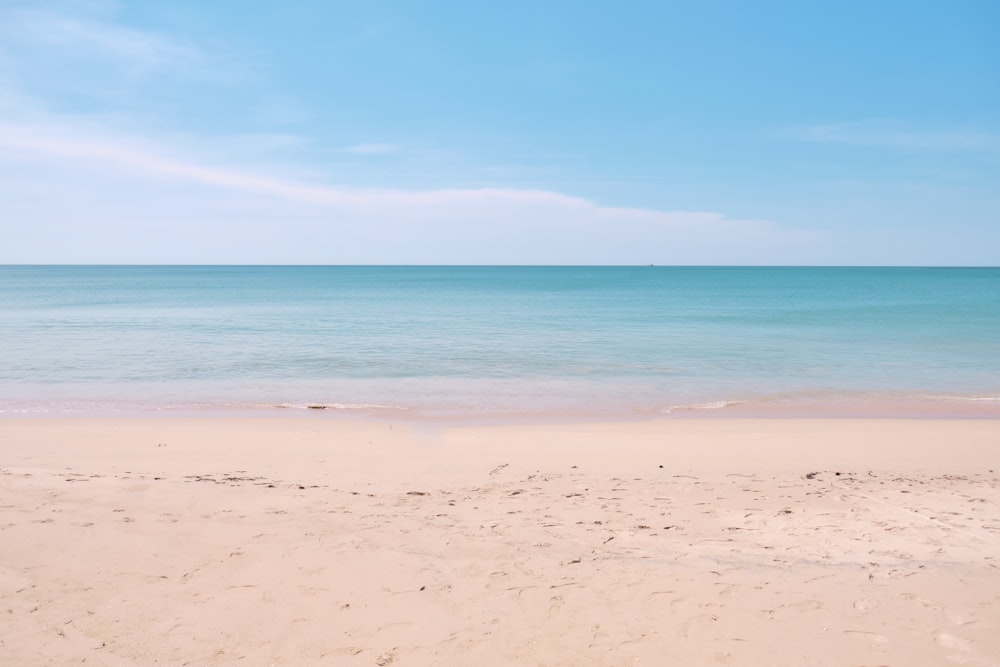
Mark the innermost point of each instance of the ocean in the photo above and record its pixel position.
(473, 341)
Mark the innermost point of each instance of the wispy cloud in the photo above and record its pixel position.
(51, 34)
(344, 224)
(372, 149)
(56, 142)
(109, 181)
(140, 48)
(887, 134)
(82, 56)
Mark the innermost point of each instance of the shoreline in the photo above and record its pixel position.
(318, 541)
(921, 408)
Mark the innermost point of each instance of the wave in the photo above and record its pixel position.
(711, 405)
(333, 406)
(985, 399)
(226, 406)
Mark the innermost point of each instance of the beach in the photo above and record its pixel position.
(318, 540)
(538, 334)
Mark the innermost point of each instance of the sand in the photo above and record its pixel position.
(323, 541)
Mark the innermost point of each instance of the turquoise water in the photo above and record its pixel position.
(472, 340)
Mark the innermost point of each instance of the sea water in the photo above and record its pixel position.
(497, 340)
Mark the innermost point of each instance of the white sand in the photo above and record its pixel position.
(318, 541)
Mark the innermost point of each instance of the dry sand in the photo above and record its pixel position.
(319, 541)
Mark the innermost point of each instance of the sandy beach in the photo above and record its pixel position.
(321, 541)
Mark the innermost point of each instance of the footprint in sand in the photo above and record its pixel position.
(878, 643)
(956, 649)
(804, 605)
(697, 624)
(867, 605)
(555, 605)
(809, 605)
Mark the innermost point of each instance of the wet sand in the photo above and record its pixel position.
(319, 541)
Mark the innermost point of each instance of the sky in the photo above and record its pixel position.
(522, 132)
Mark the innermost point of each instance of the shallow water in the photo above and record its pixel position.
(473, 340)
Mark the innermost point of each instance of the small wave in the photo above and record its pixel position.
(335, 406)
(277, 406)
(711, 405)
(986, 399)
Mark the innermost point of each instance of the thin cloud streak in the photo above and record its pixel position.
(136, 49)
(29, 139)
(894, 135)
(372, 149)
(111, 199)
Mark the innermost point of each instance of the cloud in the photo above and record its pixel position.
(60, 35)
(137, 47)
(54, 142)
(372, 149)
(73, 195)
(898, 135)
(82, 57)
(100, 182)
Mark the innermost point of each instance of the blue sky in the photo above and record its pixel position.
(517, 132)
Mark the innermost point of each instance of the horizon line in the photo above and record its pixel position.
(493, 265)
